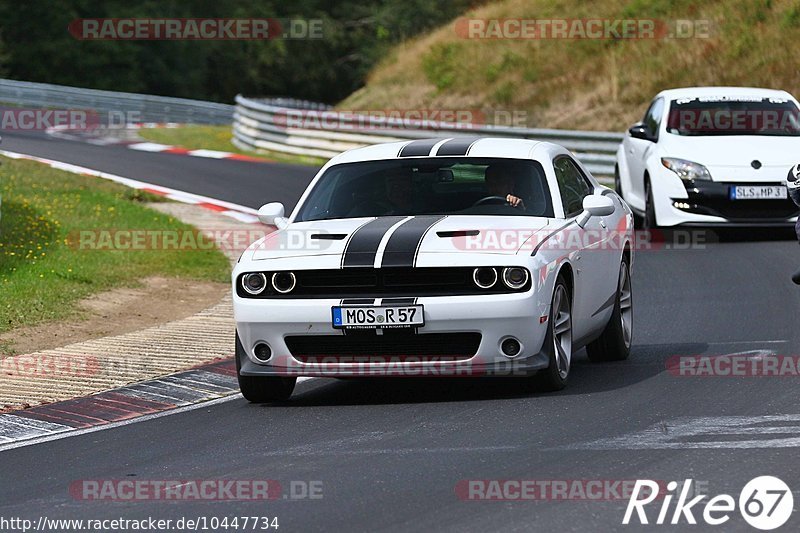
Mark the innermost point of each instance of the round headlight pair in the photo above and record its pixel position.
(513, 277)
(256, 282)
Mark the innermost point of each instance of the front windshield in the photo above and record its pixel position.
(429, 186)
(734, 116)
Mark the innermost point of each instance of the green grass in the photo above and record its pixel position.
(217, 138)
(601, 84)
(43, 272)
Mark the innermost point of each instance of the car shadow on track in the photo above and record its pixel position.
(681, 237)
(586, 377)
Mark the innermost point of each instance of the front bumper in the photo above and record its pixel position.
(708, 203)
(494, 317)
(713, 199)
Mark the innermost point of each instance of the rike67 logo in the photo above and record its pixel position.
(765, 503)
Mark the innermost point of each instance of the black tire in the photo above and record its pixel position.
(649, 221)
(615, 342)
(553, 378)
(638, 221)
(261, 389)
(617, 181)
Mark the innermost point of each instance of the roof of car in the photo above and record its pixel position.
(469, 147)
(693, 92)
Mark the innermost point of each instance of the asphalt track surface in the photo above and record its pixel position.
(389, 454)
(239, 182)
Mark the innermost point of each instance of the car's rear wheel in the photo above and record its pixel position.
(558, 341)
(615, 342)
(261, 389)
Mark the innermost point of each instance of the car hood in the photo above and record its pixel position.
(733, 150)
(412, 237)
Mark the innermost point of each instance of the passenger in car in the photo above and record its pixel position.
(395, 197)
(400, 192)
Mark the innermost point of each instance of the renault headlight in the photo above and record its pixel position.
(686, 170)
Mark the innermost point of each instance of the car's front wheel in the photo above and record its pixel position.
(559, 340)
(649, 221)
(615, 342)
(261, 389)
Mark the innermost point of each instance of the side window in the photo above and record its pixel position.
(571, 184)
(652, 119)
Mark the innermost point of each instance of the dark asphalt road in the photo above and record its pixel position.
(390, 453)
(240, 182)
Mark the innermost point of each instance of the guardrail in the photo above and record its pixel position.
(135, 107)
(263, 125)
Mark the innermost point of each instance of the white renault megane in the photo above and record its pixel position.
(711, 155)
(441, 257)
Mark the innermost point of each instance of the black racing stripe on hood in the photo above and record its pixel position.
(458, 146)
(418, 148)
(403, 246)
(363, 245)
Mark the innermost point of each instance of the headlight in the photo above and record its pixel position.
(254, 283)
(515, 277)
(484, 277)
(686, 170)
(283, 282)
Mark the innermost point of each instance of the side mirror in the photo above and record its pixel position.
(595, 205)
(638, 131)
(272, 215)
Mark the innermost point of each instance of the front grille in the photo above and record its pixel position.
(394, 345)
(385, 282)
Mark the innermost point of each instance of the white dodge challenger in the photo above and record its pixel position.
(437, 257)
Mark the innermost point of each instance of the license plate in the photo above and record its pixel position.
(758, 192)
(368, 317)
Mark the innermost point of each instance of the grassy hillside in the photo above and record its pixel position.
(588, 84)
